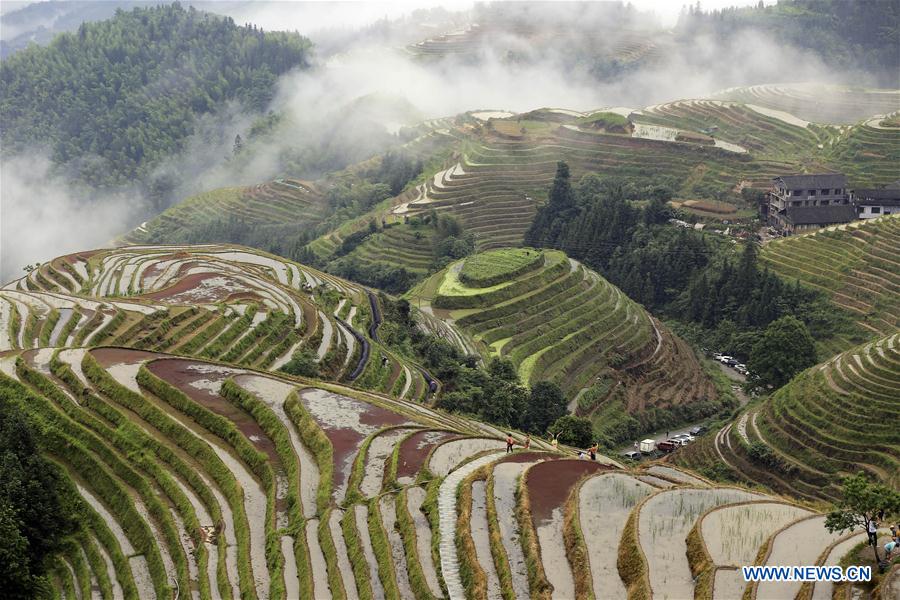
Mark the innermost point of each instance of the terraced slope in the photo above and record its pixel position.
(857, 265)
(219, 302)
(401, 245)
(273, 204)
(830, 421)
(208, 480)
(838, 105)
(557, 320)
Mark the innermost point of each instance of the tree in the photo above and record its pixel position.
(861, 502)
(573, 431)
(302, 364)
(545, 405)
(785, 349)
(238, 145)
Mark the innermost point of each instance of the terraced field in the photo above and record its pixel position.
(400, 245)
(832, 104)
(857, 265)
(557, 320)
(218, 302)
(205, 480)
(272, 204)
(830, 421)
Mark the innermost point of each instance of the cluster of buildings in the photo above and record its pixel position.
(799, 203)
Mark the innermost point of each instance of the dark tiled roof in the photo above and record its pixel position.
(820, 215)
(813, 181)
(882, 196)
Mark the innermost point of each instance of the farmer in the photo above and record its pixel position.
(509, 443)
(873, 532)
(890, 548)
(593, 451)
(581, 455)
(555, 441)
(528, 441)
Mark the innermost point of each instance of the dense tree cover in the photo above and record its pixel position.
(303, 364)
(680, 273)
(446, 236)
(36, 512)
(116, 97)
(396, 169)
(494, 394)
(783, 350)
(845, 33)
(574, 431)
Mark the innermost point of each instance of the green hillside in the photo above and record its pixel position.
(857, 265)
(224, 303)
(557, 320)
(129, 90)
(828, 422)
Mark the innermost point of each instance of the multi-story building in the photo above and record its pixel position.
(804, 202)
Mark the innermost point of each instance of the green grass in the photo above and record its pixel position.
(490, 268)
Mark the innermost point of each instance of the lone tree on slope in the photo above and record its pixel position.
(861, 502)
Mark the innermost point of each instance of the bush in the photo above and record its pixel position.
(573, 431)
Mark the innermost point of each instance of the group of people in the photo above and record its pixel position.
(892, 547)
(554, 442)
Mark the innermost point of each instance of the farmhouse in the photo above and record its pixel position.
(872, 203)
(804, 202)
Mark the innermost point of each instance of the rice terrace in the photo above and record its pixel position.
(411, 300)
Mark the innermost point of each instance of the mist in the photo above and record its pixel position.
(365, 86)
(41, 217)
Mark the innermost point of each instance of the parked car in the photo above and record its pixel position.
(678, 441)
(632, 455)
(683, 436)
(725, 358)
(731, 362)
(698, 430)
(667, 446)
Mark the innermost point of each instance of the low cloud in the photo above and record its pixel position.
(41, 217)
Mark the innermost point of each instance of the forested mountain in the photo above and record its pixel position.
(845, 33)
(116, 97)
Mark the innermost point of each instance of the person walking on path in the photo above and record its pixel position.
(555, 441)
(528, 441)
(593, 451)
(509, 443)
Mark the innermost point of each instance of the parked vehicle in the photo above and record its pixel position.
(725, 358)
(698, 430)
(632, 455)
(647, 446)
(683, 436)
(667, 447)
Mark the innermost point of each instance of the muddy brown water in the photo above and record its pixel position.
(186, 289)
(346, 422)
(198, 381)
(550, 482)
(414, 451)
(108, 357)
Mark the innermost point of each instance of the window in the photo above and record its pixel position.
(825, 191)
(795, 192)
(823, 202)
(796, 203)
(810, 192)
(875, 209)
